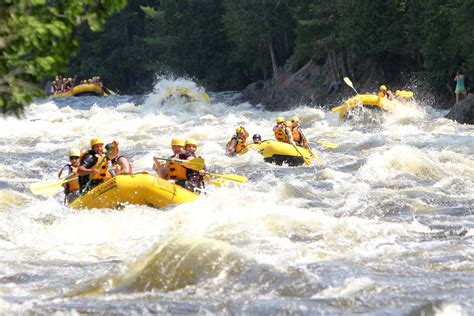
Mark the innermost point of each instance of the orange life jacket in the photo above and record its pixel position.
(176, 171)
(241, 144)
(281, 136)
(296, 135)
(74, 184)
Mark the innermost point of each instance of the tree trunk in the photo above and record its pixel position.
(332, 67)
(274, 61)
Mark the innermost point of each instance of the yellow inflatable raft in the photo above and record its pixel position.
(138, 188)
(372, 100)
(278, 152)
(82, 89)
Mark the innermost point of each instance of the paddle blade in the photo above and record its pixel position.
(231, 177)
(404, 94)
(46, 188)
(195, 164)
(327, 145)
(217, 182)
(348, 82)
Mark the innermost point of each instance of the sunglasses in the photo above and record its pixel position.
(73, 158)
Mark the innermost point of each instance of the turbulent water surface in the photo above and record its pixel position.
(381, 225)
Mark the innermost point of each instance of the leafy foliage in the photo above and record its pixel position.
(36, 40)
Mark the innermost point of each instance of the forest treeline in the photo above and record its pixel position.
(227, 44)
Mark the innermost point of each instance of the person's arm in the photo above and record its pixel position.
(84, 168)
(289, 134)
(115, 150)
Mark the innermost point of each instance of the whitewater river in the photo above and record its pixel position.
(382, 225)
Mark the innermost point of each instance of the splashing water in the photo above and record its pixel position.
(383, 225)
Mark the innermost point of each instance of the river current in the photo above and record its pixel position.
(381, 225)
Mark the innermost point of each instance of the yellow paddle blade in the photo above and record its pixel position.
(195, 164)
(217, 182)
(348, 82)
(404, 94)
(48, 187)
(323, 143)
(230, 176)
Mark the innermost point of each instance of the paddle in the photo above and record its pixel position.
(404, 94)
(349, 83)
(228, 176)
(306, 160)
(325, 144)
(110, 91)
(305, 141)
(195, 164)
(217, 182)
(198, 165)
(49, 187)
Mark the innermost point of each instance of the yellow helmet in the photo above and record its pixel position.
(96, 140)
(191, 141)
(238, 130)
(177, 142)
(69, 79)
(295, 119)
(288, 123)
(279, 120)
(383, 88)
(74, 152)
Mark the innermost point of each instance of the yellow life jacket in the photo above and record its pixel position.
(176, 171)
(296, 135)
(281, 136)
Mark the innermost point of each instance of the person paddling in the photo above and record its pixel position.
(71, 188)
(297, 133)
(282, 131)
(237, 142)
(161, 168)
(93, 166)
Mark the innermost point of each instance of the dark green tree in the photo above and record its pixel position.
(36, 38)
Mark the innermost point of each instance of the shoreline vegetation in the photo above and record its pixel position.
(280, 53)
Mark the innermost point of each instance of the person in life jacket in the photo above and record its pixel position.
(161, 168)
(257, 139)
(69, 171)
(187, 178)
(237, 142)
(385, 93)
(119, 164)
(94, 164)
(282, 131)
(297, 133)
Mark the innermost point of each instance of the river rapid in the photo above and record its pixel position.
(381, 225)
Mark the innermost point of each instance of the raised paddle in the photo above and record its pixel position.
(195, 164)
(349, 83)
(49, 187)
